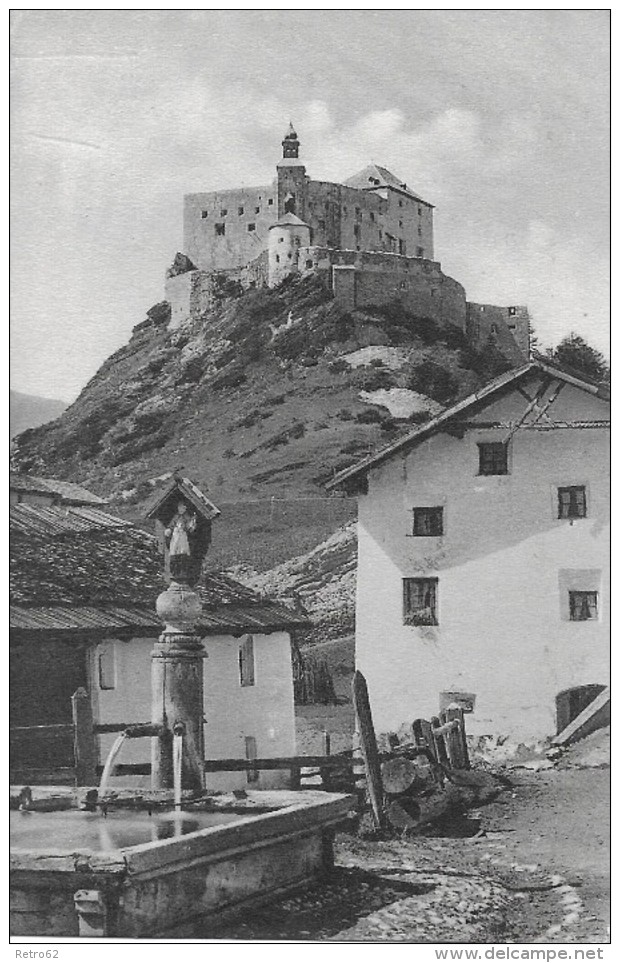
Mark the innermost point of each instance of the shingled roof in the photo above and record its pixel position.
(83, 571)
(68, 493)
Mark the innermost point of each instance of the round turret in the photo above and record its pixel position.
(286, 238)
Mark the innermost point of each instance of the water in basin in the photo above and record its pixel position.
(75, 832)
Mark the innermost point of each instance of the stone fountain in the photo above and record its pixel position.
(81, 868)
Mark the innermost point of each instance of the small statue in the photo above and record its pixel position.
(183, 517)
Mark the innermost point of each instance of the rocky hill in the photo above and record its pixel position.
(30, 411)
(261, 401)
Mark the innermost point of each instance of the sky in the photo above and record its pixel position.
(500, 118)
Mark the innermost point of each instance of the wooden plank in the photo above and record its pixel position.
(369, 749)
(586, 721)
(280, 762)
(440, 743)
(454, 743)
(83, 739)
(56, 727)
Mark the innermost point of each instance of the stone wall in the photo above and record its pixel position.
(226, 229)
(420, 285)
(508, 328)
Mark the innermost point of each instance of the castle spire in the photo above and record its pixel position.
(290, 144)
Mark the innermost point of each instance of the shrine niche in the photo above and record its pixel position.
(183, 517)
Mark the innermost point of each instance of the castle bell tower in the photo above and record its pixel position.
(292, 180)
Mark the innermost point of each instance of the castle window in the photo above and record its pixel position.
(572, 502)
(400, 203)
(321, 225)
(512, 312)
(251, 227)
(257, 210)
(277, 258)
(224, 212)
(309, 264)
(428, 522)
(204, 214)
(372, 217)
(280, 240)
(356, 230)
(240, 210)
(583, 606)
(493, 458)
(420, 211)
(420, 601)
(400, 223)
(270, 202)
(289, 255)
(402, 247)
(419, 252)
(220, 229)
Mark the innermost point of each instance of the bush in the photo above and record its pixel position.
(371, 416)
(434, 380)
(373, 379)
(345, 415)
(339, 366)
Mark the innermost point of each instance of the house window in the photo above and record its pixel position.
(277, 258)
(401, 246)
(420, 601)
(250, 755)
(224, 212)
(270, 202)
(372, 217)
(512, 312)
(321, 225)
(251, 227)
(572, 502)
(240, 211)
(257, 210)
(400, 223)
(204, 214)
(356, 230)
(246, 661)
(493, 458)
(220, 229)
(583, 606)
(107, 666)
(419, 252)
(309, 264)
(428, 521)
(419, 211)
(400, 203)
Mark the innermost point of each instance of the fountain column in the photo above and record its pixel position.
(177, 687)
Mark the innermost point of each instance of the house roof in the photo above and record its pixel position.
(67, 492)
(82, 571)
(374, 176)
(478, 399)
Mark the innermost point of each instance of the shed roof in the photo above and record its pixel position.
(77, 570)
(67, 492)
(478, 399)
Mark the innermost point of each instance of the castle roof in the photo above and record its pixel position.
(289, 220)
(374, 176)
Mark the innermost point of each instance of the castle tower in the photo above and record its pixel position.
(286, 238)
(292, 180)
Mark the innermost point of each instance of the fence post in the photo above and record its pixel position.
(83, 739)
(327, 743)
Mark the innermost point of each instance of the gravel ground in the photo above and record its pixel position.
(537, 872)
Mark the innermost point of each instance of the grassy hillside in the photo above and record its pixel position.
(260, 402)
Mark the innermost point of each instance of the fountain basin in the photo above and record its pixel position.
(88, 880)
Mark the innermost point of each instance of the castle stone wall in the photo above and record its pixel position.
(226, 229)
(420, 285)
(508, 328)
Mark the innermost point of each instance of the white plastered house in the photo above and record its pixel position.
(483, 558)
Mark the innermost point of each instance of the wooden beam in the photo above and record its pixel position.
(84, 738)
(370, 752)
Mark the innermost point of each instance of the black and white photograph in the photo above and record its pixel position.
(310, 480)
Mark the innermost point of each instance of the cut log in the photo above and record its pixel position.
(403, 775)
(403, 813)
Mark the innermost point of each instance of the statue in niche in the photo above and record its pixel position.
(183, 518)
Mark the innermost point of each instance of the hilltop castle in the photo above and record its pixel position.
(371, 237)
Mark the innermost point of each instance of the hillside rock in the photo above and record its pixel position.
(256, 400)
